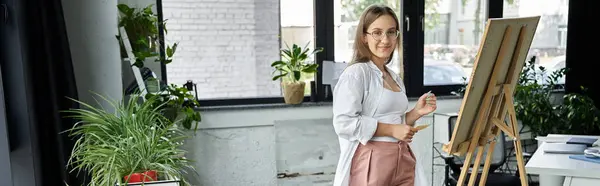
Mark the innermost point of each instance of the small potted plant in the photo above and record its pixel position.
(134, 143)
(179, 105)
(290, 68)
(141, 30)
(141, 25)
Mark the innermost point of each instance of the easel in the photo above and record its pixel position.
(492, 96)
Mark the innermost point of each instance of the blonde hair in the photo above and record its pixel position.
(362, 53)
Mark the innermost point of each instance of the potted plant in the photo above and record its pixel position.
(290, 68)
(539, 106)
(141, 25)
(133, 143)
(178, 105)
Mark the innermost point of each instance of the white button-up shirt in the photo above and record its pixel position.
(355, 100)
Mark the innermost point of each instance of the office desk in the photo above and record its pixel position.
(559, 169)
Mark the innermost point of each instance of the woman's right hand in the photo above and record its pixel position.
(404, 132)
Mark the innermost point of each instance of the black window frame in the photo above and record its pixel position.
(413, 13)
(414, 40)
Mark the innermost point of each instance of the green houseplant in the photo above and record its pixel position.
(135, 140)
(575, 113)
(290, 68)
(141, 25)
(178, 104)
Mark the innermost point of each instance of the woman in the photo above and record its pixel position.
(370, 109)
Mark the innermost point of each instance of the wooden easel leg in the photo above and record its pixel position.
(476, 164)
(520, 162)
(488, 158)
(518, 148)
(517, 140)
(466, 164)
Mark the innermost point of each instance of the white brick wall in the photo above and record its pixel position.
(225, 46)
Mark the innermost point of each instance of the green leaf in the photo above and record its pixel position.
(187, 124)
(165, 27)
(139, 62)
(293, 63)
(123, 8)
(277, 63)
(169, 51)
(306, 49)
(310, 68)
(281, 68)
(280, 76)
(319, 49)
(302, 57)
(297, 75)
(148, 9)
(286, 53)
(296, 51)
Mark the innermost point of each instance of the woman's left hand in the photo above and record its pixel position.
(426, 104)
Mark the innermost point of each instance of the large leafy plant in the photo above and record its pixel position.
(134, 138)
(533, 99)
(293, 63)
(141, 25)
(575, 113)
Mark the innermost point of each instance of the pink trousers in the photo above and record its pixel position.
(383, 164)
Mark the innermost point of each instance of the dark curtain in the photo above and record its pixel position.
(54, 82)
(47, 79)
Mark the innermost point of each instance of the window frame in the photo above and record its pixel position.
(413, 43)
(414, 40)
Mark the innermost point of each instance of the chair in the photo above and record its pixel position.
(495, 176)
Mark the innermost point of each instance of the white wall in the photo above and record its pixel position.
(251, 146)
(226, 47)
(91, 27)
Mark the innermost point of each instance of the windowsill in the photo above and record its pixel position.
(304, 104)
(253, 115)
(444, 97)
(264, 106)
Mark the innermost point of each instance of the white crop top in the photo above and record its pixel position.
(393, 106)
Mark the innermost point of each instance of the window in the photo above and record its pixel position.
(297, 27)
(346, 17)
(225, 47)
(453, 30)
(562, 35)
(549, 42)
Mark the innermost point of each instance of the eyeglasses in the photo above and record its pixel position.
(378, 35)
